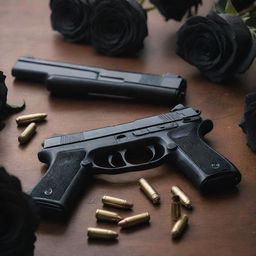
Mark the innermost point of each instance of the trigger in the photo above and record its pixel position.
(110, 160)
(116, 160)
(153, 150)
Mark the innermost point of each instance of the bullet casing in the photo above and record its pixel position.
(175, 208)
(107, 216)
(179, 226)
(149, 191)
(27, 134)
(26, 119)
(134, 220)
(116, 202)
(100, 233)
(185, 201)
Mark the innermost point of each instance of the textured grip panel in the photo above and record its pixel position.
(58, 178)
(208, 160)
(206, 168)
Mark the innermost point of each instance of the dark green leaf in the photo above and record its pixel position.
(251, 21)
(253, 32)
(230, 8)
(141, 2)
(219, 6)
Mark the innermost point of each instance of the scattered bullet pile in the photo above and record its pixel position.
(179, 222)
(109, 216)
(30, 130)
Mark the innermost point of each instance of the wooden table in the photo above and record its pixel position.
(222, 224)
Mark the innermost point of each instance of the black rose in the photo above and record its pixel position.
(71, 18)
(218, 45)
(248, 122)
(6, 109)
(3, 93)
(242, 4)
(19, 218)
(175, 9)
(118, 27)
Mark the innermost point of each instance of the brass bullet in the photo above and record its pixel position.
(134, 220)
(107, 216)
(100, 233)
(116, 202)
(149, 191)
(179, 226)
(175, 208)
(185, 201)
(27, 134)
(26, 119)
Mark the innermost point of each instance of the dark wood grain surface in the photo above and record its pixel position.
(222, 224)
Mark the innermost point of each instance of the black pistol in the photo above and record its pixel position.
(67, 79)
(175, 137)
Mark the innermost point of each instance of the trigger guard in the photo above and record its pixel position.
(131, 156)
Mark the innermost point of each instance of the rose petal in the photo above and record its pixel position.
(71, 18)
(218, 45)
(118, 27)
(19, 218)
(242, 4)
(248, 121)
(173, 9)
(9, 181)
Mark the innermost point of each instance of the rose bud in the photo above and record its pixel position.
(19, 218)
(118, 27)
(71, 18)
(242, 4)
(176, 9)
(218, 45)
(248, 122)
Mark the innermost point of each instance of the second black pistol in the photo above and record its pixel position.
(67, 79)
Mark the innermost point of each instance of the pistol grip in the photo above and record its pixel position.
(206, 168)
(58, 188)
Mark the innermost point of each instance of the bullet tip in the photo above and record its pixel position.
(114, 235)
(121, 223)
